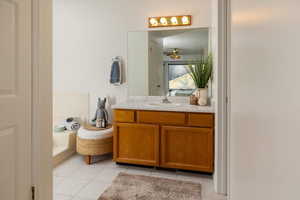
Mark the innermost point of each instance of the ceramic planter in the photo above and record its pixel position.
(202, 95)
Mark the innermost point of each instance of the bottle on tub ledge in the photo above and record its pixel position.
(101, 116)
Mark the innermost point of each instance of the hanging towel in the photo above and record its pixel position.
(116, 72)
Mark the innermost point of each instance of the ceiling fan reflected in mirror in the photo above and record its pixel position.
(173, 54)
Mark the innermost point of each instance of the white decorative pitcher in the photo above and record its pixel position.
(197, 93)
(203, 96)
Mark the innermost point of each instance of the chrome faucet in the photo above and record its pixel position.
(165, 99)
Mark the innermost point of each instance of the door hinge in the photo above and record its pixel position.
(33, 192)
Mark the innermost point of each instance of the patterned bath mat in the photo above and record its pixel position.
(137, 187)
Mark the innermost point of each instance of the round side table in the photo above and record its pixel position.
(92, 141)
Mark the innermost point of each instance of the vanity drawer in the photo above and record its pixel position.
(201, 120)
(124, 116)
(171, 118)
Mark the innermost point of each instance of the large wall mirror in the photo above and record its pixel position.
(158, 60)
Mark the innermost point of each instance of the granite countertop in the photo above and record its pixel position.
(158, 106)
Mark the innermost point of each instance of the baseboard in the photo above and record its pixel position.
(62, 156)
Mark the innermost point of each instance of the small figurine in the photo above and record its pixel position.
(101, 116)
(193, 100)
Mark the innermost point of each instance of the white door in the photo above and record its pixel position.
(15, 99)
(265, 106)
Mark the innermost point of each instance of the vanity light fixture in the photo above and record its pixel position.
(163, 21)
(167, 21)
(153, 22)
(185, 20)
(174, 20)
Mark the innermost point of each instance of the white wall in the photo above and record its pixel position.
(265, 100)
(88, 33)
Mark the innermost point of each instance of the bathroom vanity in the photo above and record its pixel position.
(152, 130)
(178, 136)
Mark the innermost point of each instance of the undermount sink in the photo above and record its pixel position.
(164, 104)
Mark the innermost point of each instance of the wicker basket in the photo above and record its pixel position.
(93, 147)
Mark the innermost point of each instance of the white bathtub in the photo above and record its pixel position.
(67, 105)
(64, 146)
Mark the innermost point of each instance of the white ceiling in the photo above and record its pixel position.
(188, 41)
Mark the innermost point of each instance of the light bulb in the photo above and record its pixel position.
(163, 21)
(185, 20)
(174, 20)
(153, 22)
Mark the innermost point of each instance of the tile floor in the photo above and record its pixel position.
(74, 180)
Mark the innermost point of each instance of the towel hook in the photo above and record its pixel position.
(117, 58)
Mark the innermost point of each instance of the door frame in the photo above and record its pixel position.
(222, 159)
(42, 99)
(227, 20)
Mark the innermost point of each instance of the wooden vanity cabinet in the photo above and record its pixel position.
(164, 139)
(187, 148)
(136, 143)
(124, 116)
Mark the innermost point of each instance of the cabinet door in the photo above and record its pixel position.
(187, 148)
(136, 144)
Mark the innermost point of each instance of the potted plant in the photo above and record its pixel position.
(201, 73)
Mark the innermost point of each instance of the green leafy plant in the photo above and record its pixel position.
(202, 71)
